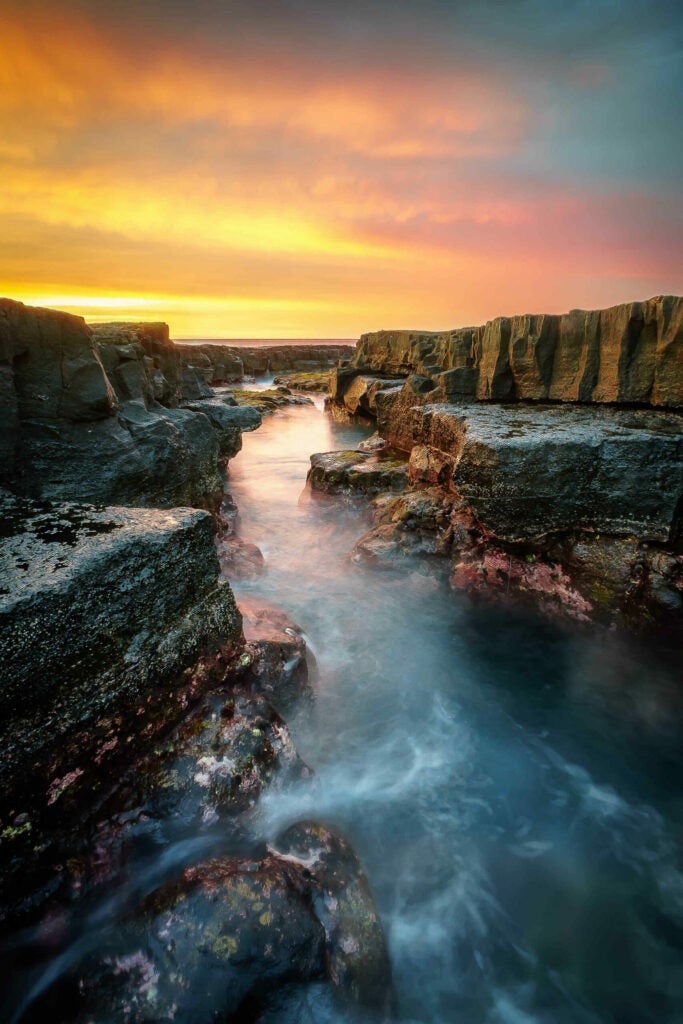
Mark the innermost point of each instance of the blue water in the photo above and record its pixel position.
(513, 790)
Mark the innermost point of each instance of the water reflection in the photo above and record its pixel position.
(513, 789)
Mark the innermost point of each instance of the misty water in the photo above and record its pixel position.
(512, 789)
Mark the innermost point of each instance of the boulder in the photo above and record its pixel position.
(279, 667)
(234, 938)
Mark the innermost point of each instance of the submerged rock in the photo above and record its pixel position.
(231, 937)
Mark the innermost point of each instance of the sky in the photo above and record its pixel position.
(298, 169)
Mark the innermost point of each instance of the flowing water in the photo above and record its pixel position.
(513, 790)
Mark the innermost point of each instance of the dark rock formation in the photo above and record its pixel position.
(95, 415)
(356, 472)
(231, 938)
(223, 363)
(627, 354)
(279, 667)
(532, 470)
(98, 606)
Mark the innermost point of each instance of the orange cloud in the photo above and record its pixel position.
(262, 191)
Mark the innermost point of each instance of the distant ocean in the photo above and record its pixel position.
(259, 342)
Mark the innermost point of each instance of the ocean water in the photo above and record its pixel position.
(264, 342)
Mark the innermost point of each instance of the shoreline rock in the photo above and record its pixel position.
(627, 354)
(220, 363)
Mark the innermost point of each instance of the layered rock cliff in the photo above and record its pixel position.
(555, 445)
(631, 353)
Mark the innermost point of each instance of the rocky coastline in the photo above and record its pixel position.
(536, 460)
(548, 449)
(132, 692)
(221, 364)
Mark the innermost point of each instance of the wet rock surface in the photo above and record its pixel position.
(580, 576)
(281, 668)
(231, 936)
(349, 472)
(98, 606)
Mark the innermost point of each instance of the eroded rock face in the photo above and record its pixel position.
(231, 363)
(94, 416)
(231, 937)
(628, 354)
(98, 605)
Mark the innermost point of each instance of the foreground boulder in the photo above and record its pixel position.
(233, 939)
(99, 606)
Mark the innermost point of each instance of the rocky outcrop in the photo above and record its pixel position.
(314, 381)
(99, 606)
(107, 415)
(237, 938)
(531, 470)
(225, 363)
(628, 354)
(268, 400)
(355, 472)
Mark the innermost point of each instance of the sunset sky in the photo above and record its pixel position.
(299, 169)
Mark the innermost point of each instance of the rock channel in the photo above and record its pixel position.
(135, 702)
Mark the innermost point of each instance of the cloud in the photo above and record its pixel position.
(438, 160)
